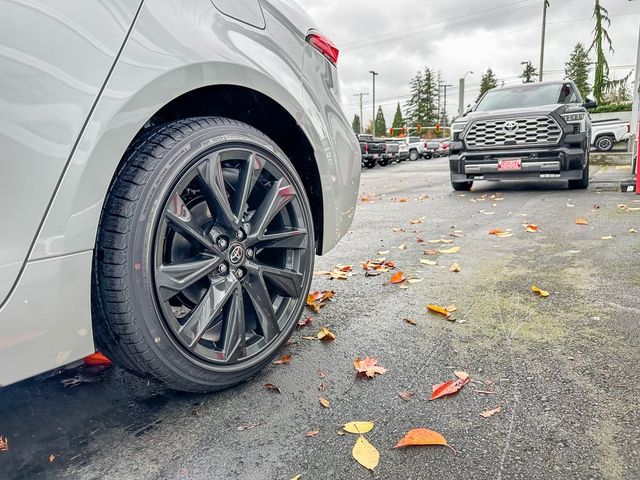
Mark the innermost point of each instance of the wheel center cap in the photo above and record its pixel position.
(236, 254)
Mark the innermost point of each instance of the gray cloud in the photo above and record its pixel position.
(397, 38)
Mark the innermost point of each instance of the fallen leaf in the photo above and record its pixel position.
(438, 309)
(321, 374)
(307, 337)
(531, 228)
(424, 261)
(283, 360)
(504, 235)
(406, 396)
(421, 436)
(441, 240)
(430, 252)
(321, 386)
(496, 231)
(312, 433)
(633, 230)
(398, 229)
(317, 300)
(358, 427)
(326, 335)
(491, 413)
(324, 402)
(451, 308)
(450, 387)
(4, 444)
(581, 221)
(403, 200)
(52, 458)
(539, 292)
(608, 237)
(249, 426)
(383, 252)
(368, 366)
(415, 280)
(398, 277)
(365, 454)
(297, 477)
(305, 322)
(461, 374)
(272, 387)
(365, 199)
(416, 221)
(455, 268)
(487, 213)
(450, 250)
(410, 321)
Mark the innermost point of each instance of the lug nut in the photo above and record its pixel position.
(240, 234)
(223, 269)
(239, 273)
(249, 252)
(222, 242)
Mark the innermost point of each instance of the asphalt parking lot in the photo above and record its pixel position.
(561, 368)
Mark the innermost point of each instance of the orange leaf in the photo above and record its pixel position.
(438, 309)
(531, 228)
(312, 433)
(324, 402)
(403, 199)
(496, 231)
(447, 388)
(455, 268)
(421, 436)
(272, 387)
(581, 221)
(368, 366)
(283, 360)
(490, 413)
(398, 277)
(539, 292)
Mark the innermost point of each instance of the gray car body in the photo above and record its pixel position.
(78, 81)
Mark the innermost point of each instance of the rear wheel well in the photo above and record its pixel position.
(262, 113)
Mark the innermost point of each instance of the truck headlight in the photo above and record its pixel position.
(578, 120)
(456, 129)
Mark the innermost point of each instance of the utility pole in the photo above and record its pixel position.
(545, 5)
(361, 94)
(444, 111)
(461, 94)
(373, 118)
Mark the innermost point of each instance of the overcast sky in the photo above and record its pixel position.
(397, 38)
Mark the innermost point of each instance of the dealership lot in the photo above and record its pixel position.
(561, 368)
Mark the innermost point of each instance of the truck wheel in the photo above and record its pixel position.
(605, 143)
(383, 163)
(204, 255)
(583, 182)
(413, 155)
(462, 186)
(370, 164)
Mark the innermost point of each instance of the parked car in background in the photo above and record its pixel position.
(163, 198)
(531, 131)
(432, 149)
(391, 151)
(403, 150)
(606, 133)
(371, 150)
(416, 146)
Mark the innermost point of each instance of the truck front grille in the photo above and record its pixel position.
(513, 132)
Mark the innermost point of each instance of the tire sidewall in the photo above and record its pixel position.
(182, 156)
(608, 144)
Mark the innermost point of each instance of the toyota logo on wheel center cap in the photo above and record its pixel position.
(236, 254)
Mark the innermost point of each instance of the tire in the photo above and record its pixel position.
(177, 296)
(605, 143)
(384, 163)
(582, 183)
(413, 155)
(461, 186)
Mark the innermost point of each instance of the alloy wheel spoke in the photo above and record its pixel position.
(207, 310)
(249, 175)
(261, 300)
(293, 239)
(215, 191)
(289, 281)
(278, 196)
(234, 336)
(172, 279)
(180, 220)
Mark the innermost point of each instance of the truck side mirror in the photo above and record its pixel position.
(590, 103)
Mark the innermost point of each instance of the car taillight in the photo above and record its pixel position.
(324, 46)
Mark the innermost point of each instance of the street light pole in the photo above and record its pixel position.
(545, 5)
(373, 118)
(444, 110)
(361, 94)
(461, 94)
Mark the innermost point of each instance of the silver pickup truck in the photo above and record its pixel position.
(606, 133)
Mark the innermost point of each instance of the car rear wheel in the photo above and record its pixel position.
(462, 186)
(413, 155)
(204, 255)
(605, 143)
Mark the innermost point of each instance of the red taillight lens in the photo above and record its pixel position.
(324, 46)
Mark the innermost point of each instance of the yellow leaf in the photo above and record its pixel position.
(358, 427)
(365, 454)
(633, 230)
(428, 262)
(324, 402)
(455, 268)
(297, 477)
(504, 235)
(415, 280)
(384, 252)
(326, 335)
(538, 291)
(450, 250)
(402, 246)
(581, 221)
(608, 237)
(438, 309)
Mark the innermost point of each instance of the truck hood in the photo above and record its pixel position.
(517, 112)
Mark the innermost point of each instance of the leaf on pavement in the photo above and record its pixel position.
(531, 227)
(283, 360)
(539, 292)
(581, 221)
(326, 335)
(297, 477)
(633, 230)
(52, 458)
(398, 229)
(424, 261)
(406, 396)
(461, 375)
(421, 436)
(249, 426)
(402, 246)
(324, 402)
(450, 250)
(272, 387)
(368, 366)
(415, 221)
(403, 199)
(491, 413)
(365, 454)
(398, 277)
(4, 444)
(438, 309)
(451, 308)
(415, 280)
(312, 433)
(608, 237)
(384, 252)
(305, 322)
(496, 231)
(410, 321)
(455, 268)
(504, 235)
(317, 300)
(358, 427)
(450, 387)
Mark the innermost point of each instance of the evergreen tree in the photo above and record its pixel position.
(356, 123)
(577, 69)
(431, 98)
(381, 124)
(528, 73)
(398, 121)
(413, 105)
(487, 82)
(600, 38)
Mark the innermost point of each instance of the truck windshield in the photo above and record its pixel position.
(527, 96)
